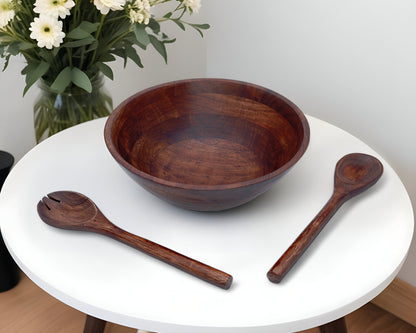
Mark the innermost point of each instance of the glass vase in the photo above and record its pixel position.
(54, 112)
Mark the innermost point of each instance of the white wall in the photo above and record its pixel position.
(17, 134)
(350, 62)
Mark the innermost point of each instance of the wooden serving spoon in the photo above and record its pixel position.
(75, 211)
(354, 173)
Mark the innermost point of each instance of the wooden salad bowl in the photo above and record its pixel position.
(206, 144)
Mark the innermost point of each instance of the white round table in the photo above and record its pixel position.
(353, 259)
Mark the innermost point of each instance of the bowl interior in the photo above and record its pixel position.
(207, 132)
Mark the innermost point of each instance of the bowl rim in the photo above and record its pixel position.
(117, 156)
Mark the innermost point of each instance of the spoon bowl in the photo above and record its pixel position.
(355, 173)
(78, 210)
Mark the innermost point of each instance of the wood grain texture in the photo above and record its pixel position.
(207, 144)
(354, 173)
(399, 298)
(28, 309)
(372, 319)
(74, 211)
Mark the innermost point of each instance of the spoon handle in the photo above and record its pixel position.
(299, 246)
(186, 264)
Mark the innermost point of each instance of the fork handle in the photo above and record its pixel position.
(184, 263)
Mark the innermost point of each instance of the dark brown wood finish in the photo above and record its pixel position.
(336, 326)
(207, 144)
(74, 211)
(354, 173)
(94, 325)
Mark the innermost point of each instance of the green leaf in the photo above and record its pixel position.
(168, 15)
(201, 26)
(29, 67)
(80, 79)
(105, 69)
(14, 48)
(200, 32)
(141, 34)
(119, 52)
(79, 42)
(159, 47)
(89, 27)
(55, 51)
(180, 24)
(122, 54)
(26, 46)
(33, 75)
(78, 33)
(169, 41)
(198, 27)
(132, 40)
(6, 63)
(121, 30)
(93, 46)
(47, 55)
(107, 57)
(154, 25)
(63, 79)
(132, 54)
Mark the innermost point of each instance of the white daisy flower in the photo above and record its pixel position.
(194, 5)
(6, 12)
(104, 6)
(54, 8)
(47, 31)
(140, 12)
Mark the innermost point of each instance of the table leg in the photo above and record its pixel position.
(94, 325)
(336, 326)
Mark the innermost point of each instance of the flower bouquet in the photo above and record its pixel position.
(68, 45)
